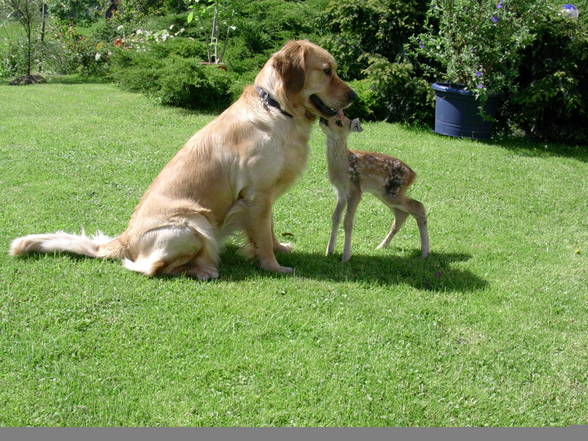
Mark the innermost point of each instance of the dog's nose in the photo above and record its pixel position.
(351, 96)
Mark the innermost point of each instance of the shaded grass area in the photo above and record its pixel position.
(490, 330)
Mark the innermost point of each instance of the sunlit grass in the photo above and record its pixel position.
(490, 330)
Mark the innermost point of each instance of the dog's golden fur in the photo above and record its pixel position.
(225, 178)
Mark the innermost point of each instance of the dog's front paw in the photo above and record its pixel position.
(284, 269)
(277, 268)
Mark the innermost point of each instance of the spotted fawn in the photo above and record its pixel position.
(353, 172)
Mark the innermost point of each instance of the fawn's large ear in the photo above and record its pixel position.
(355, 126)
(290, 63)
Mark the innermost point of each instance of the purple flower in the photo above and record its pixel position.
(495, 19)
(421, 45)
(478, 74)
(481, 86)
(499, 5)
(570, 11)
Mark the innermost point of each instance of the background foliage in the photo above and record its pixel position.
(390, 50)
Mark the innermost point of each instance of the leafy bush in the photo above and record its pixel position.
(76, 11)
(403, 96)
(353, 28)
(239, 84)
(13, 59)
(553, 82)
(171, 70)
(161, 73)
(78, 53)
(368, 105)
(478, 43)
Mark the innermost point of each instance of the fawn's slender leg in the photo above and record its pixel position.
(280, 247)
(336, 219)
(399, 219)
(352, 202)
(418, 211)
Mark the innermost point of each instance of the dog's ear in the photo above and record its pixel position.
(355, 126)
(290, 63)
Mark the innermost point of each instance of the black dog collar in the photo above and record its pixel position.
(267, 100)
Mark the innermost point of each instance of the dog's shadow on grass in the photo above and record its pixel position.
(437, 272)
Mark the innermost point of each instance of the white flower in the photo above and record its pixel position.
(97, 56)
(120, 28)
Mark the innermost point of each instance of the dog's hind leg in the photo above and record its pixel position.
(175, 249)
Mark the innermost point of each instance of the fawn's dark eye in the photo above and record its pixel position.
(339, 123)
(328, 71)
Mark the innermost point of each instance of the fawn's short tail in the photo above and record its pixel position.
(98, 245)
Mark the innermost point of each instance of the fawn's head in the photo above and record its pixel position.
(339, 126)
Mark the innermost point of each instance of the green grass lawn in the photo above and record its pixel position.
(490, 330)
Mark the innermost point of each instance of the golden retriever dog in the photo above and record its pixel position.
(226, 177)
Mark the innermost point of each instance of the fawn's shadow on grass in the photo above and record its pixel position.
(435, 273)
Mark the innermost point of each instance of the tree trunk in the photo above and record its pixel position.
(29, 55)
(214, 34)
(111, 9)
(44, 21)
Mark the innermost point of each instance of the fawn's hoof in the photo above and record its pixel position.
(283, 247)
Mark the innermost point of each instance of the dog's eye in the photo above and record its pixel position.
(328, 71)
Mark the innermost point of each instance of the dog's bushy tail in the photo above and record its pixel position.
(98, 245)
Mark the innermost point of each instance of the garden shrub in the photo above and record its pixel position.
(188, 84)
(402, 96)
(182, 47)
(239, 84)
(526, 51)
(76, 11)
(551, 101)
(368, 105)
(13, 57)
(77, 53)
(171, 79)
(171, 70)
(353, 28)
(13, 60)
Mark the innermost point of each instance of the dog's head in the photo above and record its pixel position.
(308, 77)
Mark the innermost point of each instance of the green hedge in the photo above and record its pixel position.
(551, 103)
(160, 72)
